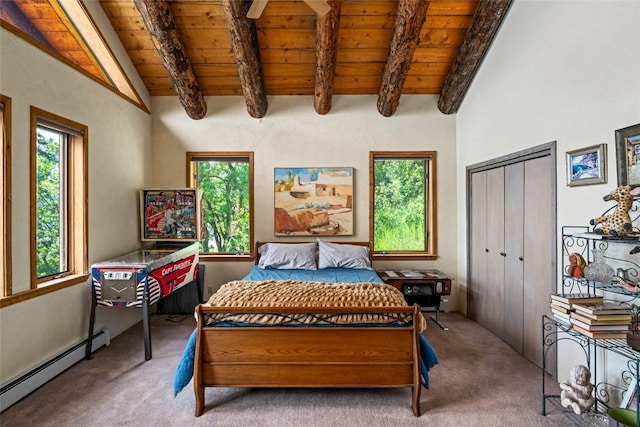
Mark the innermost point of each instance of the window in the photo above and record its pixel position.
(58, 200)
(226, 181)
(402, 201)
(5, 201)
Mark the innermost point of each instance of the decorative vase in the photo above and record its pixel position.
(598, 270)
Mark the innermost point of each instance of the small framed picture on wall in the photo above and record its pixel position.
(587, 166)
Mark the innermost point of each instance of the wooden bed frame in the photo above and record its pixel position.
(315, 357)
(343, 356)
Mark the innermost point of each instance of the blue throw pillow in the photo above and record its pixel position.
(184, 373)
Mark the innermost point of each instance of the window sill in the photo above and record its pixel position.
(226, 257)
(44, 288)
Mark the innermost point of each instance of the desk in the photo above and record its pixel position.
(422, 287)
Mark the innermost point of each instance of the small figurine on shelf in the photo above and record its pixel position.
(576, 265)
(619, 222)
(577, 390)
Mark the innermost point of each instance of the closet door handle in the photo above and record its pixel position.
(503, 254)
(486, 250)
(521, 258)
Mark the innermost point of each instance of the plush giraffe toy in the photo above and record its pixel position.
(617, 223)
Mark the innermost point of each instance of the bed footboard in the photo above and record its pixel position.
(357, 356)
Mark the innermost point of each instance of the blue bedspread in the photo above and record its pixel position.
(330, 275)
(184, 372)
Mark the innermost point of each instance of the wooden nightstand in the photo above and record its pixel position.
(422, 287)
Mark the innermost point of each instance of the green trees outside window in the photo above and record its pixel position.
(402, 204)
(399, 221)
(226, 180)
(50, 201)
(58, 211)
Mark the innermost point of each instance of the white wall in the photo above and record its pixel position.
(293, 134)
(565, 71)
(37, 329)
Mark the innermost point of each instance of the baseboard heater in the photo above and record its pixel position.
(34, 379)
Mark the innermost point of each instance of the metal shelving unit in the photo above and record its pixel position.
(581, 240)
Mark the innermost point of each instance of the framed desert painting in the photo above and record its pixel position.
(313, 201)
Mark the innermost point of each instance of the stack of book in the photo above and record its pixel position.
(601, 321)
(562, 305)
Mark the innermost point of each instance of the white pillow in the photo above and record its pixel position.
(300, 256)
(335, 255)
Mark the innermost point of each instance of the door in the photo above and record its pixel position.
(511, 251)
(487, 249)
(539, 252)
(495, 251)
(477, 301)
(514, 257)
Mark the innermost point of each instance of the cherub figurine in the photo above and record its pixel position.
(576, 265)
(577, 390)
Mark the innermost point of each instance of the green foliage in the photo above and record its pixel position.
(48, 200)
(399, 238)
(399, 204)
(225, 187)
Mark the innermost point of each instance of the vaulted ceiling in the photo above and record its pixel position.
(197, 48)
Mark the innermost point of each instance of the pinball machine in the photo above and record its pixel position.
(172, 220)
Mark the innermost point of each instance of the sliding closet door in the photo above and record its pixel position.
(514, 257)
(539, 251)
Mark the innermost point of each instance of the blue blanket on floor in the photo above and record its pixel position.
(184, 372)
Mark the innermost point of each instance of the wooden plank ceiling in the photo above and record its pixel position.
(198, 48)
(44, 24)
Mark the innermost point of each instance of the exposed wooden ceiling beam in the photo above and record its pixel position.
(326, 54)
(486, 21)
(246, 51)
(159, 21)
(410, 18)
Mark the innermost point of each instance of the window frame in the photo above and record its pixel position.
(192, 157)
(77, 196)
(431, 205)
(5, 226)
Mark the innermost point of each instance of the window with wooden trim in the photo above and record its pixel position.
(58, 200)
(5, 201)
(402, 201)
(226, 181)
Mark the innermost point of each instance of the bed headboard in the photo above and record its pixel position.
(368, 244)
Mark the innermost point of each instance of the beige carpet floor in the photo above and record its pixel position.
(479, 381)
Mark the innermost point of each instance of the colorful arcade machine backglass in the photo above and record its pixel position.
(171, 214)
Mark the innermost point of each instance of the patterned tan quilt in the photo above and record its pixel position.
(291, 293)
